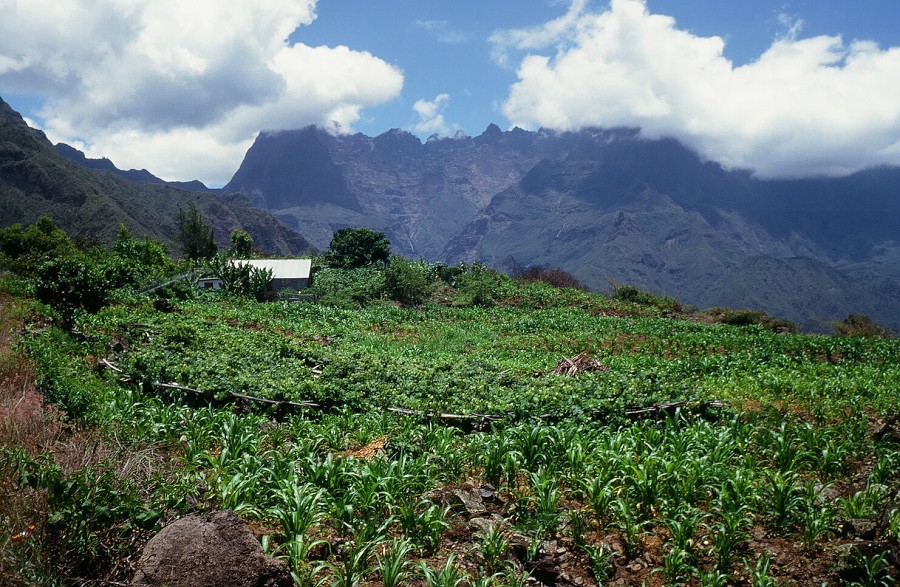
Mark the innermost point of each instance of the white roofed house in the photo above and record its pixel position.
(292, 274)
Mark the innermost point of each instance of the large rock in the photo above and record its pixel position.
(208, 551)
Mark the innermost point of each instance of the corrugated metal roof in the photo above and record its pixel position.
(282, 268)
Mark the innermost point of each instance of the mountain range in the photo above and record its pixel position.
(606, 205)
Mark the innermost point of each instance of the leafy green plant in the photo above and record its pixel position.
(353, 564)
(424, 523)
(448, 576)
(351, 248)
(783, 497)
(393, 563)
(862, 504)
(407, 282)
(729, 535)
(874, 571)
(759, 573)
(493, 547)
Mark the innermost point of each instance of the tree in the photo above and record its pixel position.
(241, 244)
(24, 249)
(195, 236)
(357, 247)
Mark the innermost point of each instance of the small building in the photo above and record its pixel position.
(286, 274)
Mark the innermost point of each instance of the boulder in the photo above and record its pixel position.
(206, 551)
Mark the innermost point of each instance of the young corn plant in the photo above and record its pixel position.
(874, 571)
(885, 467)
(714, 578)
(493, 547)
(298, 506)
(423, 522)
(545, 497)
(647, 479)
(863, 504)
(683, 530)
(599, 491)
(759, 574)
(816, 519)
(448, 576)
(237, 488)
(601, 558)
(893, 526)
(677, 566)
(393, 564)
(632, 527)
(729, 536)
(533, 442)
(783, 498)
(353, 566)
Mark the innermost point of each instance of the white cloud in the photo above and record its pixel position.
(808, 106)
(431, 117)
(444, 32)
(178, 86)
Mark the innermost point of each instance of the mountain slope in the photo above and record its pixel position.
(421, 195)
(35, 180)
(604, 205)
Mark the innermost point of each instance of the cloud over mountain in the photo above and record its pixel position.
(182, 87)
(806, 106)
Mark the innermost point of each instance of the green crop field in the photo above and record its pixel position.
(549, 436)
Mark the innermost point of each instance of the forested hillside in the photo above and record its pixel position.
(36, 181)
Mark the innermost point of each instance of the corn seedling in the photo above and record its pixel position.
(493, 547)
(448, 576)
(759, 573)
(874, 571)
(393, 564)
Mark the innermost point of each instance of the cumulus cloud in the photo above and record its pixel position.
(182, 86)
(431, 117)
(807, 106)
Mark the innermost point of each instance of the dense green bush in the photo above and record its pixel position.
(63, 376)
(752, 318)
(630, 293)
(351, 248)
(479, 286)
(347, 288)
(23, 250)
(407, 282)
(241, 278)
(72, 284)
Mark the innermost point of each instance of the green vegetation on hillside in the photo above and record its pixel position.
(447, 425)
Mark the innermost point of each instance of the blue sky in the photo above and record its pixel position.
(785, 88)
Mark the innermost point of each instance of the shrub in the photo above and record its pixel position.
(72, 284)
(63, 378)
(752, 318)
(630, 293)
(241, 278)
(24, 250)
(479, 287)
(860, 325)
(554, 276)
(406, 282)
(347, 288)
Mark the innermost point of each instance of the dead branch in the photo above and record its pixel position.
(580, 363)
